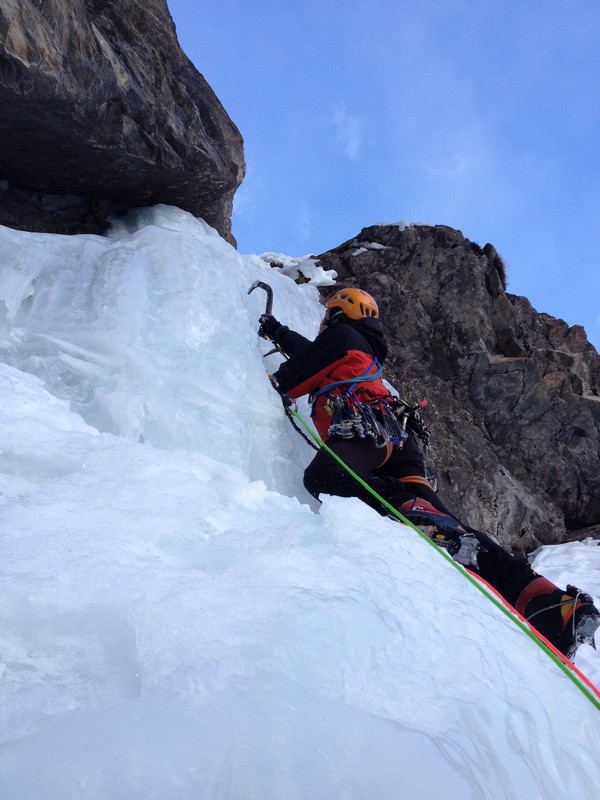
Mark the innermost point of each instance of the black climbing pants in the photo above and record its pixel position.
(324, 475)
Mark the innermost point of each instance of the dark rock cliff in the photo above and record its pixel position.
(100, 110)
(514, 395)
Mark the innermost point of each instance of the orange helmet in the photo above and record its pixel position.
(355, 303)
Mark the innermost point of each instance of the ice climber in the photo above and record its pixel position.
(378, 437)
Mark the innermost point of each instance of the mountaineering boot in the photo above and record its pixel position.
(566, 618)
(581, 618)
(444, 530)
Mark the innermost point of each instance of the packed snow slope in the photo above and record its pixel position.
(178, 618)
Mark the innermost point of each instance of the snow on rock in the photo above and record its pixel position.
(304, 269)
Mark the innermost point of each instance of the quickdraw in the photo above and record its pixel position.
(375, 418)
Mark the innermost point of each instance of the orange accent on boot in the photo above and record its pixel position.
(537, 587)
(568, 610)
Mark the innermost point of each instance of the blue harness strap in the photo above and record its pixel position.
(364, 378)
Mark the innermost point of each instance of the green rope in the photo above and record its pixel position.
(479, 586)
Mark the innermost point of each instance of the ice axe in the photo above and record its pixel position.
(278, 349)
(268, 309)
(268, 290)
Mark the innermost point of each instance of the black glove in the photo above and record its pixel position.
(268, 326)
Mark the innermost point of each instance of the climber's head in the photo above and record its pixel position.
(354, 303)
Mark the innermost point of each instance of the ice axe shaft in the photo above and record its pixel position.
(268, 290)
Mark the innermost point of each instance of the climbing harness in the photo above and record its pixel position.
(387, 421)
(350, 417)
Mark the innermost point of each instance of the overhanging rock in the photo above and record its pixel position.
(100, 110)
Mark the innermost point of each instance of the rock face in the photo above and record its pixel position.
(100, 110)
(514, 395)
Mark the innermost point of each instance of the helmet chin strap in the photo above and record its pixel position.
(333, 316)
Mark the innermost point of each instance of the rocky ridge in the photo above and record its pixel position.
(514, 395)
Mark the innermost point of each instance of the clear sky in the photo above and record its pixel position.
(481, 115)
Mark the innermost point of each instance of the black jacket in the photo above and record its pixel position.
(343, 351)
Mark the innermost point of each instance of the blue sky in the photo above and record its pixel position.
(484, 116)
